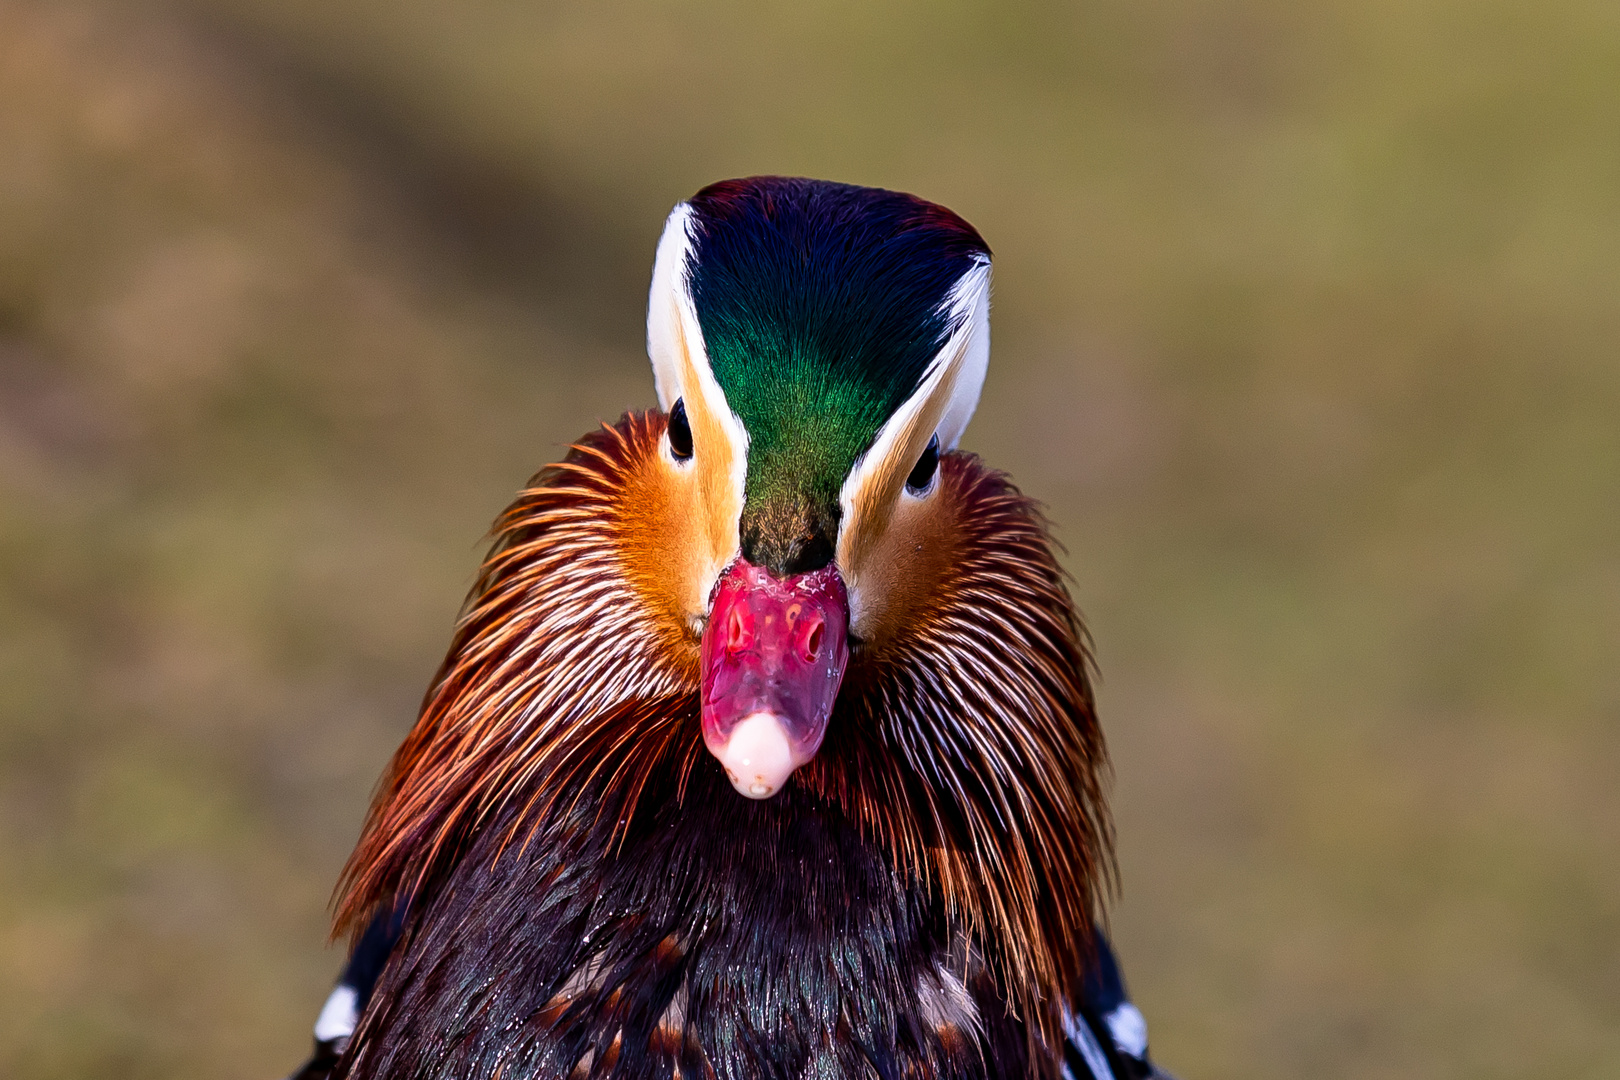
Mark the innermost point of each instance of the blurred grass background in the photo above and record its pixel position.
(1307, 331)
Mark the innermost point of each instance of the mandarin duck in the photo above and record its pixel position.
(765, 745)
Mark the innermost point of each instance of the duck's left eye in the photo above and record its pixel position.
(922, 473)
(680, 431)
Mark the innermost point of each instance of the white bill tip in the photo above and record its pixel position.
(758, 758)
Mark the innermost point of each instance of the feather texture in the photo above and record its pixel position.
(588, 894)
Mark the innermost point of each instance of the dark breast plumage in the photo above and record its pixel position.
(692, 947)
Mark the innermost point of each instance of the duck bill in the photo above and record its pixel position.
(773, 656)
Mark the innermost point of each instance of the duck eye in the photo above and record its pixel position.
(680, 431)
(922, 473)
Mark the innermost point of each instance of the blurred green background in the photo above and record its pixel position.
(1307, 332)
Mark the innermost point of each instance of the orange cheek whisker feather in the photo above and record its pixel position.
(967, 751)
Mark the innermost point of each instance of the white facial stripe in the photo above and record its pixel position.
(674, 337)
(681, 369)
(942, 404)
(671, 326)
(969, 305)
(902, 429)
(956, 374)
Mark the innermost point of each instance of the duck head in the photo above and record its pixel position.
(816, 347)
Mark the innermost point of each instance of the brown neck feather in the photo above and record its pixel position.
(964, 743)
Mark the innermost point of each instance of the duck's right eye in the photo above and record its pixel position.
(680, 431)
(922, 473)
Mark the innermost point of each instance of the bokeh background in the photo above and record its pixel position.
(1307, 332)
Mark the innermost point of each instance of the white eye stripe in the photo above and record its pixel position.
(718, 466)
(664, 306)
(969, 305)
(941, 406)
(958, 369)
(674, 336)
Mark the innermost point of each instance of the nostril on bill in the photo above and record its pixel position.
(736, 631)
(812, 640)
